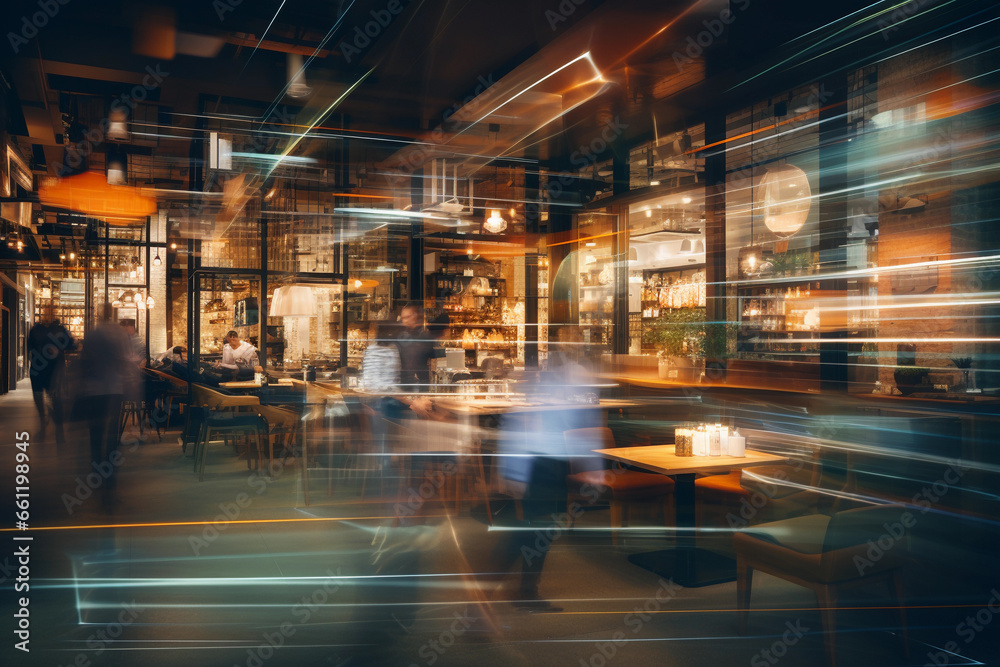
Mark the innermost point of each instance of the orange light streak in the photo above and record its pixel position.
(765, 129)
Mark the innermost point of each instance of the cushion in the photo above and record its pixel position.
(724, 484)
(623, 484)
(805, 547)
(804, 534)
(788, 480)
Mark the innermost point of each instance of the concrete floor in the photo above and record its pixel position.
(149, 580)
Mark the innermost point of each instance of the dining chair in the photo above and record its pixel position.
(759, 494)
(221, 417)
(826, 554)
(617, 486)
(280, 424)
(173, 389)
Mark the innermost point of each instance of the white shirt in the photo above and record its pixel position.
(380, 368)
(169, 354)
(244, 355)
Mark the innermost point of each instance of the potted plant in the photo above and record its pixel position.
(720, 344)
(910, 378)
(679, 336)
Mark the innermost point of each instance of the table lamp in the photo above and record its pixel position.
(297, 301)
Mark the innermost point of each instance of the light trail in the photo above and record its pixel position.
(203, 523)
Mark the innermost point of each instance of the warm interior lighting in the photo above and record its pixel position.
(357, 283)
(654, 182)
(785, 197)
(685, 200)
(156, 260)
(495, 223)
(117, 168)
(150, 302)
(117, 124)
(649, 213)
(72, 256)
(173, 246)
(293, 301)
(297, 86)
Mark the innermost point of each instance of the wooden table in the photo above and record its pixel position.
(686, 564)
(241, 384)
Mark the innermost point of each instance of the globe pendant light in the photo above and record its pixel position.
(495, 224)
(785, 198)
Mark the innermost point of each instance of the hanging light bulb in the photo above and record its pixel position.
(150, 302)
(495, 224)
(297, 86)
(156, 260)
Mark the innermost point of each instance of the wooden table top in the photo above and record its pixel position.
(240, 384)
(662, 459)
(456, 404)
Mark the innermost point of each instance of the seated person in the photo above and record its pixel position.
(239, 356)
(176, 354)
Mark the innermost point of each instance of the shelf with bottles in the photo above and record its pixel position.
(668, 290)
(452, 288)
(793, 308)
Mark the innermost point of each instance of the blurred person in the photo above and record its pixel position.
(238, 355)
(137, 349)
(47, 346)
(417, 346)
(380, 374)
(534, 459)
(440, 326)
(380, 366)
(176, 354)
(107, 372)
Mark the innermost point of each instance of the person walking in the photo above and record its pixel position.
(47, 347)
(107, 371)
